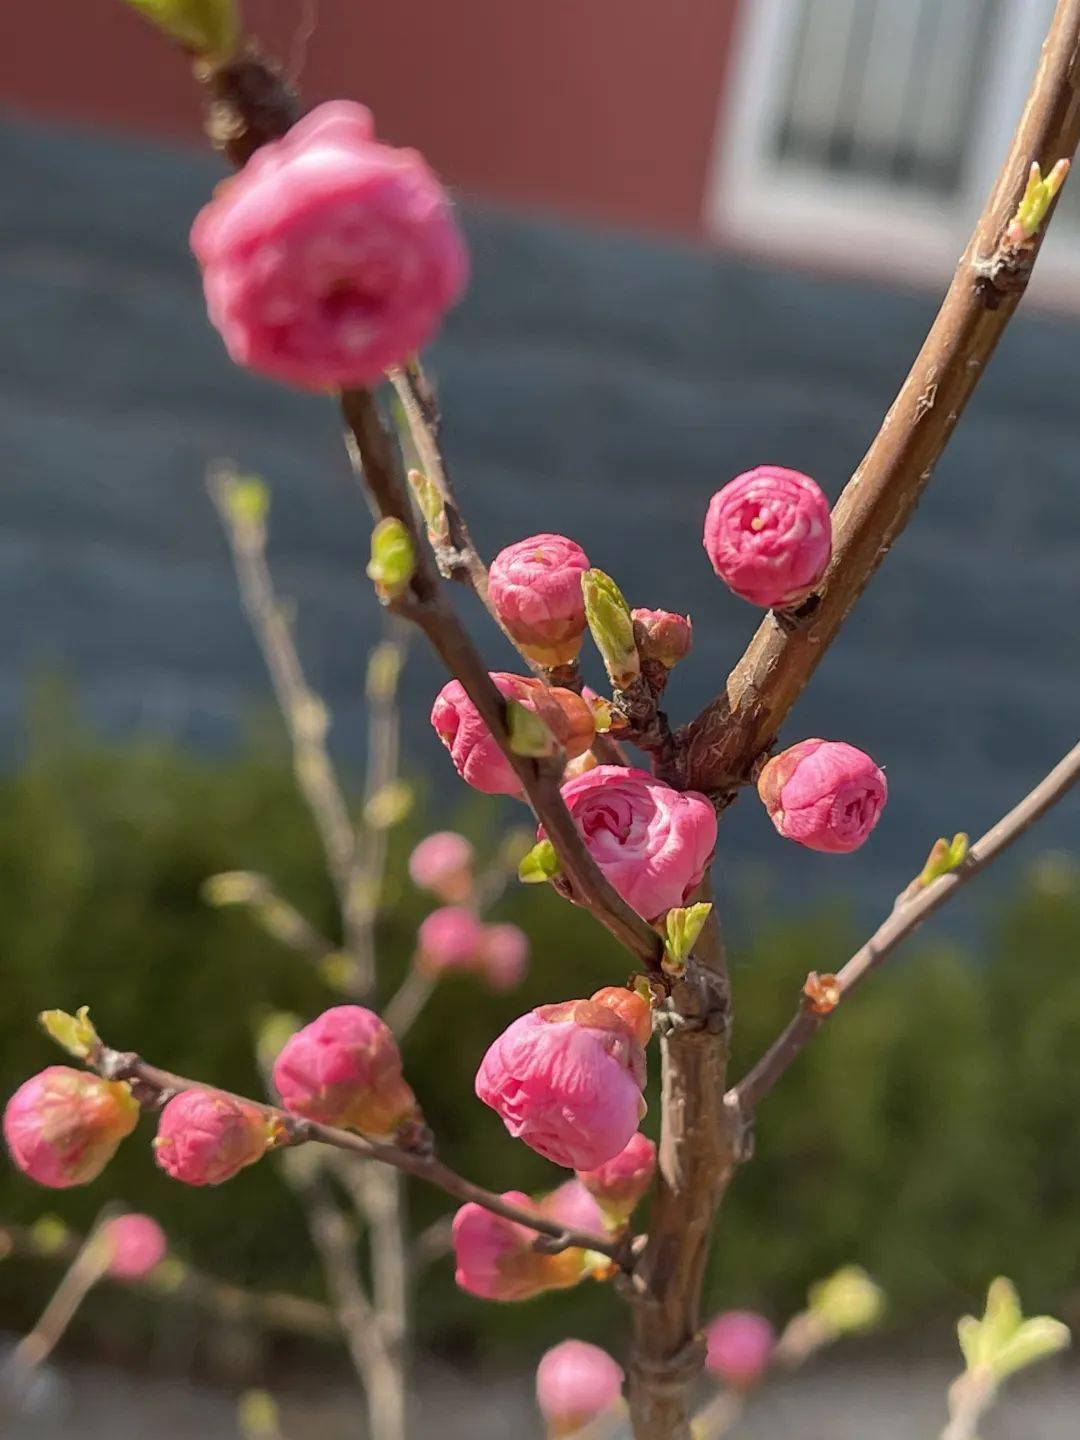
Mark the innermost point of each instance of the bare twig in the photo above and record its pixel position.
(278, 917)
(404, 1006)
(901, 922)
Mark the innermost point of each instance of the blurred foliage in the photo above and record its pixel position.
(930, 1134)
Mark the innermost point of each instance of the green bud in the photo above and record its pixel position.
(248, 499)
(529, 735)
(393, 559)
(49, 1234)
(232, 887)
(257, 1416)
(338, 970)
(847, 1302)
(1037, 199)
(540, 864)
(384, 670)
(1003, 1342)
(209, 27)
(682, 927)
(945, 855)
(612, 627)
(432, 506)
(390, 805)
(73, 1033)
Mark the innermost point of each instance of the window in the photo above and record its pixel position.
(868, 133)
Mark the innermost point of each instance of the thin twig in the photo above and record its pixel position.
(278, 917)
(404, 1006)
(901, 922)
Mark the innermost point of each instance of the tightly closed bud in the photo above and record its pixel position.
(504, 956)
(663, 636)
(443, 864)
(619, 1184)
(475, 752)
(205, 1137)
(653, 843)
(137, 1245)
(612, 627)
(450, 939)
(496, 1258)
(769, 535)
(847, 1302)
(331, 257)
(567, 1079)
(63, 1126)
(535, 587)
(345, 1069)
(393, 557)
(824, 794)
(740, 1346)
(576, 1383)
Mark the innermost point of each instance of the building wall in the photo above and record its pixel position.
(597, 108)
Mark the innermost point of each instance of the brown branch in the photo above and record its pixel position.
(719, 748)
(903, 920)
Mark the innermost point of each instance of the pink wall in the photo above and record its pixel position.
(601, 108)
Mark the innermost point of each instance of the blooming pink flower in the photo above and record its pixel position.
(576, 1383)
(442, 863)
(567, 1078)
(205, 1137)
(496, 1258)
(330, 257)
(504, 955)
(345, 1069)
(663, 636)
(653, 843)
(451, 938)
(572, 1205)
(740, 1345)
(535, 587)
(474, 750)
(769, 535)
(63, 1126)
(620, 1182)
(137, 1244)
(825, 794)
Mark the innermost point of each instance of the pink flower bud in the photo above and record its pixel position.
(205, 1137)
(443, 864)
(740, 1345)
(330, 257)
(620, 1182)
(535, 587)
(450, 939)
(653, 843)
(576, 1383)
(567, 1079)
(496, 1258)
(504, 955)
(474, 750)
(345, 1069)
(769, 535)
(63, 1126)
(572, 1205)
(663, 636)
(824, 794)
(137, 1244)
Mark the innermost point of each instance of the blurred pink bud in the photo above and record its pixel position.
(205, 1137)
(496, 1258)
(769, 535)
(576, 1383)
(63, 1126)
(567, 1079)
(345, 1069)
(137, 1244)
(653, 843)
(572, 1205)
(451, 938)
(663, 636)
(443, 864)
(330, 257)
(535, 587)
(504, 954)
(824, 794)
(620, 1182)
(740, 1345)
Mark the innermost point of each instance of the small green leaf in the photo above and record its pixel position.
(73, 1033)
(682, 928)
(209, 27)
(1003, 1342)
(393, 559)
(945, 856)
(540, 864)
(432, 506)
(1037, 199)
(612, 627)
(529, 735)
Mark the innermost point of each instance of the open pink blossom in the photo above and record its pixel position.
(205, 1137)
(137, 1244)
(576, 1383)
(443, 864)
(345, 1069)
(63, 1126)
(824, 794)
(572, 1205)
(504, 956)
(496, 1258)
(451, 938)
(567, 1079)
(535, 587)
(741, 1344)
(620, 1182)
(475, 752)
(769, 535)
(653, 843)
(330, 257)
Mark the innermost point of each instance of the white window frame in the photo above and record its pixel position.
(802, 215)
